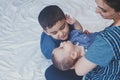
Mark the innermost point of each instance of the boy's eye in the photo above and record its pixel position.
(62, 27)
(53, 33)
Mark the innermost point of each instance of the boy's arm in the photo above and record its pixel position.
(47, 45)
(83, 66)
(73, 21)
(78, 26)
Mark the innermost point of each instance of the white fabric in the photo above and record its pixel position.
(20, 55)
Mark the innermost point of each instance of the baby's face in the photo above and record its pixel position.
(64, 49)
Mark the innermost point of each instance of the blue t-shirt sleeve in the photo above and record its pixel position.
(47, 45)
(100, 52)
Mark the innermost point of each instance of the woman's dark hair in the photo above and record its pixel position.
(115, 4)
(50, 15)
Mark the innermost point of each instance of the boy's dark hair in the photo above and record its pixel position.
(50, 15)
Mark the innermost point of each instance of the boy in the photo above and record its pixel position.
(56, 26)
(65, 56)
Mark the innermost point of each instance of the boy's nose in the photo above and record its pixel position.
(61, 34)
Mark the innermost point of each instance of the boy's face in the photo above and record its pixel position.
(59, 31)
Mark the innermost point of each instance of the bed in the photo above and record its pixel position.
(20, 54)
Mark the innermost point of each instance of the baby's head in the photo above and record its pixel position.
(65, 56)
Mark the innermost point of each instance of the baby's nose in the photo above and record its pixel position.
(61, 44)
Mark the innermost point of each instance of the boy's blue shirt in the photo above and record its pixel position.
(48, 43)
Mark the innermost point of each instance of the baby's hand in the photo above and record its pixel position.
(86, 32)
(70, 20)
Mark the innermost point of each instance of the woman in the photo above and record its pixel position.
(102, 60)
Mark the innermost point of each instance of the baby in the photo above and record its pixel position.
(65, 56)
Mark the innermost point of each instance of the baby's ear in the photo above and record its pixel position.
(73, 55)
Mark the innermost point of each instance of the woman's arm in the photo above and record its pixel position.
(83, 66)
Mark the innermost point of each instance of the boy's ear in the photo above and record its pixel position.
(46, 32)
(73, 55)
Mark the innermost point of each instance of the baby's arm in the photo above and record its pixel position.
(73, 21)
(83, 66)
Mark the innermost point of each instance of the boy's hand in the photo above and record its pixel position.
(74, 22)
(70, 20)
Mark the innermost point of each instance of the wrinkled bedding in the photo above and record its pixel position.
(20, 54)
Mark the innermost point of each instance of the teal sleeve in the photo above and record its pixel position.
(47, 45)
(100, 52)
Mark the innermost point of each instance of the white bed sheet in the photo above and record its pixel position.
(20, 54)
